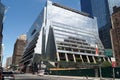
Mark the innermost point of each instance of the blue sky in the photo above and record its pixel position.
(20, 16)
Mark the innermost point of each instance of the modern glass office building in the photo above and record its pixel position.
(86, 6)
(2, 10)
(101, 12)
(104, 31)
(61, 34)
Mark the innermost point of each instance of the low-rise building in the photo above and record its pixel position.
(8, 62)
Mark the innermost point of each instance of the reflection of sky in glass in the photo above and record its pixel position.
(67, 23)
(75, 4)
(73, 19)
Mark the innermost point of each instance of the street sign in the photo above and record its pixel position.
(113, 62)
(96, 51)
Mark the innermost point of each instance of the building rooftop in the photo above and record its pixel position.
(70, 9)
(116, 9)
(22, 37)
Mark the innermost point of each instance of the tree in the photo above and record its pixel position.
(106, 64)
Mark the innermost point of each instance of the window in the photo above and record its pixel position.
(33, 31)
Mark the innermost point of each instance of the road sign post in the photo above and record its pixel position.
(113, 65)
(99, 60)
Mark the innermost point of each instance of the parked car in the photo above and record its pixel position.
(17, 72)
(8, 75)
(0, 75)
(1, 70)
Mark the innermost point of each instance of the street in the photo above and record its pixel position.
(45, 77)
(53, 77)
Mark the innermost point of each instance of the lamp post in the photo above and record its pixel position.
(100, 68)
(113, 73)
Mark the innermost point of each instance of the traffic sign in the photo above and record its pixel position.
(113, 62)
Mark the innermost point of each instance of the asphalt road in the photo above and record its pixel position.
(46, 77)
(51, 77)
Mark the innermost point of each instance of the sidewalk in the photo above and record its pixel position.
(70, 77)
(84, 78)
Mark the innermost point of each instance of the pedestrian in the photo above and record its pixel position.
(35, 68)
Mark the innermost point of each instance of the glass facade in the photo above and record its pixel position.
(86, 6)
(32, 49)
(72, 34)
(101, 12)
(2, 9)
(65, 34)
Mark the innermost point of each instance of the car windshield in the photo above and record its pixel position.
(7, 72)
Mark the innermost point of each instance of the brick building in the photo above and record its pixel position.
(18, 49)
(115, 34)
